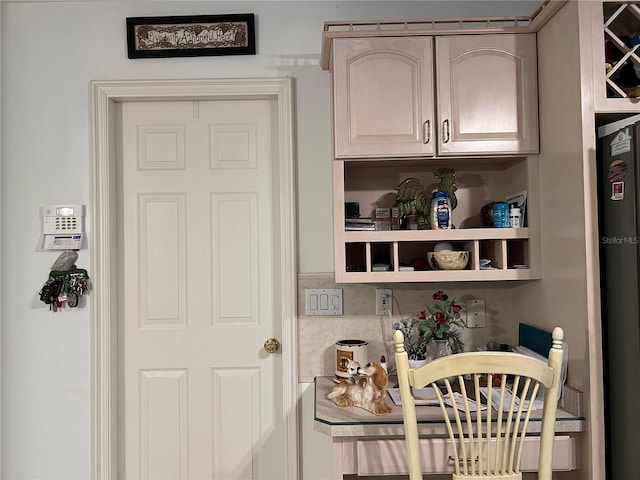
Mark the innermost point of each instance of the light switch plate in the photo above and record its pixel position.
(475, 313)
(323, 301)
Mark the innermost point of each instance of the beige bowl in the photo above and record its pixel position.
(448, 260)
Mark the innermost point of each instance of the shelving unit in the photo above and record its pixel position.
(622, 48)
(407, 101)
(615, 56)
(372, 183)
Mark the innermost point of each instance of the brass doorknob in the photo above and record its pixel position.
(271, 345)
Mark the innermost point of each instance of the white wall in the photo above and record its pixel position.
(50, 52)
(0, 230)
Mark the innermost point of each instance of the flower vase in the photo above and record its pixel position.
(417, 363)
(442, 350)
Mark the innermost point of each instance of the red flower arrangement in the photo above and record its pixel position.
(440, 322)
(443, 321)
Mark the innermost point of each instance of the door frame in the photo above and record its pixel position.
(104, 97)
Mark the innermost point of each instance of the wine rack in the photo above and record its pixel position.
(622, 49)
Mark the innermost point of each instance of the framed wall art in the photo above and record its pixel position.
(191, 36)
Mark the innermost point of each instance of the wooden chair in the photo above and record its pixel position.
(488, 444)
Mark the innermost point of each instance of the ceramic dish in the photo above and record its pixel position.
(448, 260)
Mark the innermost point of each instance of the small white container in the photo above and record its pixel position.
(515, 218)
(440, 211)
(383, 363)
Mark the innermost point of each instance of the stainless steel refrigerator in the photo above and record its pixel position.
(618, 158)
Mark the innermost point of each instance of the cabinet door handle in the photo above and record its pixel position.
(445, 131)
(426, 131)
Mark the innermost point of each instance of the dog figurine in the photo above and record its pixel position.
(368, 392)
(353, 370)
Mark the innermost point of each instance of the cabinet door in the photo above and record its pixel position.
(383, 97)
(487, 94)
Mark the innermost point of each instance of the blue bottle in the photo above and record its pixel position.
(501, 215)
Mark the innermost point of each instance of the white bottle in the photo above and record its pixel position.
(383, 363)
(515, 218)
(440, 210)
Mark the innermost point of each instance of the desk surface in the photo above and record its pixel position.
(354, 422)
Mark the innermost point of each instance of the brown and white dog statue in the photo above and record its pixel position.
(368, 391)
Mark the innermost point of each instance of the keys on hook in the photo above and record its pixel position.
(64, 288)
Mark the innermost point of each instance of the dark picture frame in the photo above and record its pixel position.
(191, 36)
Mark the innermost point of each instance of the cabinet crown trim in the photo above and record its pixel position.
(435, 26)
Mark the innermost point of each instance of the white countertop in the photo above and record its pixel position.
(353, 421)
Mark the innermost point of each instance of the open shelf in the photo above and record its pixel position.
(505, 248)
(360, 254)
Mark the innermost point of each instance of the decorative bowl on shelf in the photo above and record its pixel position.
(448, 260)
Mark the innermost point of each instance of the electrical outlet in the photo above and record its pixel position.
(475, 313)
(384, 301)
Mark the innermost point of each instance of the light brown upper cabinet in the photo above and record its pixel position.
(487, 94)
(384, 94)
(383, 97)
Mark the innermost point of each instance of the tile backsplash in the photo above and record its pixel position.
(317, 334)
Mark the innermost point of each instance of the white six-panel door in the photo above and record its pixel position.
(200, 397)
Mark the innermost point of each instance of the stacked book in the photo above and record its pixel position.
(359, 224)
